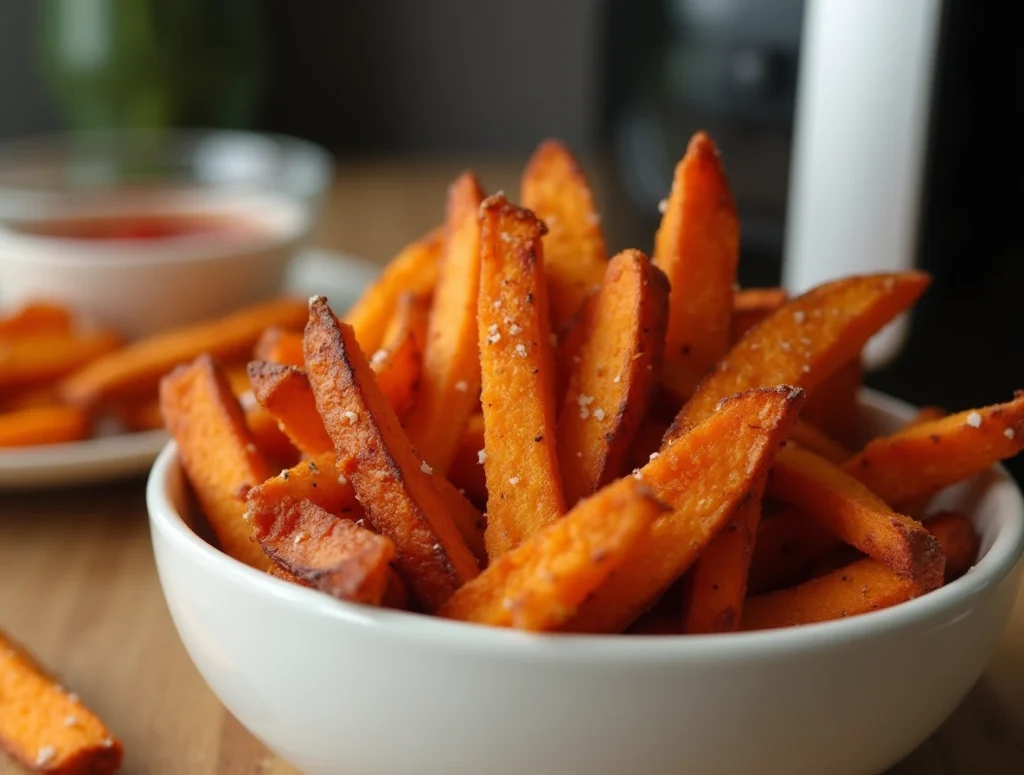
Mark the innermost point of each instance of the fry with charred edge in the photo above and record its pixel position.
(524, 488)
(466, 472)
(46, 728)
(31, 361)
(313, 480)
(697, 247)
(788, 545)
(333, 555)
(702, 476)
(858, 588)
(136, 369)
(808, 436)
(399, 363)
(44, 425)
(833, 407)
(277, 345)
(286, 575)
(36, 318)
(855, 514)
(393, 484)
(805, 340)
(450, 387)
(539, 584)
(750, 306)
(718, 580)
(217, 451)
(959, 541)
(930, 456)
(413, 270)
(556, 190)
(285, 392)
(614, 376)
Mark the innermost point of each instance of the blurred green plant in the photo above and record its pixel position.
(154, 63)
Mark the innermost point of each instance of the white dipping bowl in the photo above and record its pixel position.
(333, 687)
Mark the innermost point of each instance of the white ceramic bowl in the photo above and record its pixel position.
(341, 688)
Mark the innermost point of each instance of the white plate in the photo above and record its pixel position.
(339, 277)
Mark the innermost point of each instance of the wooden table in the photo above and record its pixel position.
(78, 585)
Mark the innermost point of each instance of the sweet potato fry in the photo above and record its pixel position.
(540, 584)
(47, 728)
(44, 425)
(333, 555)
(30, 398)
(788, 545)
(237, 375)
(958, 539)
(718, 580)
(805, 341)
(808, 436)
(139, 415)
(450, 387)
(277, 345)
(750, 306)
(312, 480)
(467, 473)
(373, 452)
(647, 442)
(520, 460)
(853, 513)
(862, 586)
(217, 451)
(615, 375)
(399, 363)
(38, 318)
(135, 370)
(413, 270)
(702, 475)
(556, 190)
(285, 392)
(928, 457)
(32, 361)
(286, 575)
(916, 507)
(697, 247)
(270, 440)
(833, 406)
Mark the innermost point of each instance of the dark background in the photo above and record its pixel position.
(625, 84)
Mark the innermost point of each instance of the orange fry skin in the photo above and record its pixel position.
(217, 451)
(750, 306)
(284, 393)
(277, 345)
(275, 446)
(466, 472)
(312, 480)
(450, 387)
(697, 247)
(860, 587)
(44, 425)
(374, 453)
(788, 545)
(833, 407)
(809, 437)
(47, 728)
(856, 515)
(134, 371)
(32, 361)
(702, 475)
(399, 363)
(334, 555)
(540, 584)
(556, 190)
(718, 583)
(35, 319)
(413, 270)
(611, 385)
(922, 459)
(521, 466)
(805, 340)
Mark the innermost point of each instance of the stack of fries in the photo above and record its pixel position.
(510, 428)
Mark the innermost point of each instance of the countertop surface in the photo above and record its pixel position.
(79, 588)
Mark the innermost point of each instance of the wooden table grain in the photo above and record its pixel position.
(78, 585)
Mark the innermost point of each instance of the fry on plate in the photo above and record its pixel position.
(44, 425)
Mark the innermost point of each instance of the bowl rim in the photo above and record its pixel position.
(168, 526)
